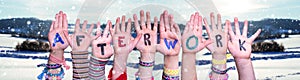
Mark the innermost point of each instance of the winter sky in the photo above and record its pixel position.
(111, 9)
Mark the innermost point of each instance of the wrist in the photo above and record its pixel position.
(242, 61)
(171, 62)
(147, 57)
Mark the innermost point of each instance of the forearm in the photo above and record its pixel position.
(59, 54)
(188, 68)
(119, 65)
(245, 69)
(145, 73)
(218, 63)
(171, 71)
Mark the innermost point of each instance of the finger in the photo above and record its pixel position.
(207, 42)
(253, 37)
(56, 21)
(142, 19)
(212, 21)
(231, 33)
(66, 34)
(237, 27)
(136, 23)
(123, 24)
(177, 29)
(192, 19)
(77, 25)
(52, 26)
(207, 28)
(171, 18)
(105, 34)
(196, 23)
(186, 28)
(128, 25)
(219, 25)
(98, 31)
(161, 24)
(148, 20)
(245, 29)
(134, 42)
(84, 25)
(117, 25)
(65, 22)
(166, 21)
(200, 24)
(155, 24)
(91, 29)
(60, 20)
(112, 30)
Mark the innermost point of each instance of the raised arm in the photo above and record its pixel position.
(58, 43)
(218, 48)
(102, 51)
(123, 44)
(240, 47)
(193, 42)
(146, 45)
(170, 43)
(79, 42)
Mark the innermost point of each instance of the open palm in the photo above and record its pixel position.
(239, 45)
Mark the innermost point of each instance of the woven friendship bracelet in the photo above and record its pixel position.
(218, 71)
(81, 65)
(95, 59)
(214, 61)
(146, 64)
(211, 77)
(97, 68)
(50, 66)
(79, 52)
(166, 77)
(96, 78)
(80, 56)
(78, 61)
(81, 70)
(171, 72)
(81, 77)
(96, 74)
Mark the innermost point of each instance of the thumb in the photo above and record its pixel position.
(134, 42)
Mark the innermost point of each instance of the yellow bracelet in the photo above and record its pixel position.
(214, 61)
(171, 72)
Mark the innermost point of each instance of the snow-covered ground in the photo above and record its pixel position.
(279, 69)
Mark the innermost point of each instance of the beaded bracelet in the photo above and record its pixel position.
(218, 71)
(146, 64)
(49, 75)
(211, 78)
(50, 66)
(171, 72)
(166, 77)
(214, 61)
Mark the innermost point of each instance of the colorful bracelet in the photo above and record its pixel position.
(82, 70)
(218, 71)
(96, 60)
(214, 61)
(166, 77)
(80, 56)
(49, 66)
(49, 75)
(59, 61)
(146, 64)
(211, 77)
(171, 72)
